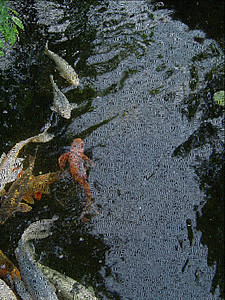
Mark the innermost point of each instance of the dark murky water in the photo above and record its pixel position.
(149, 122)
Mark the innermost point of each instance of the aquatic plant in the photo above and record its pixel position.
(9, 24)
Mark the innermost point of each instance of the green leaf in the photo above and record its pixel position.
(18, 22)
(219, 98)
(2, 30)
(12, 38)
(12, 10)
(9, 24)
(14, 28)
(2, 45)
(2, 18)
(4, 15)
(7, 30)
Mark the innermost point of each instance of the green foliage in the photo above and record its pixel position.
(219, 98)
(9, 24)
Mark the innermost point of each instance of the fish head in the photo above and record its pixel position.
(66, 113)
(78, 145)
(74, 80)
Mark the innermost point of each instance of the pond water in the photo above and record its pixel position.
(150, 125)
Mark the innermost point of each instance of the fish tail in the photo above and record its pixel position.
(32, 160)
(39, 230)
(43, 137)
(87, 190)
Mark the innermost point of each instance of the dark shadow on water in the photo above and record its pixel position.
(210, 171)
(203, 135)
(210, 220)
(205, 15)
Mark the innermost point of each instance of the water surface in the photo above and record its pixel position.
(150, 125)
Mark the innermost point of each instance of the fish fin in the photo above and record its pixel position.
(75, 82)
(62, 160)
(46, 48)
(23, 207)
(2, 157)
(2, 192)
(51, 78)
(28, 199)
(73, 105)
(88, 162)
(53, 108)
(63, 75)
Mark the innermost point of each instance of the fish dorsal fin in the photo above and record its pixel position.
(2, 157)
(29, 199)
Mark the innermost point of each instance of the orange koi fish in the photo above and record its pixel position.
(11, 203)
(78, 163)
